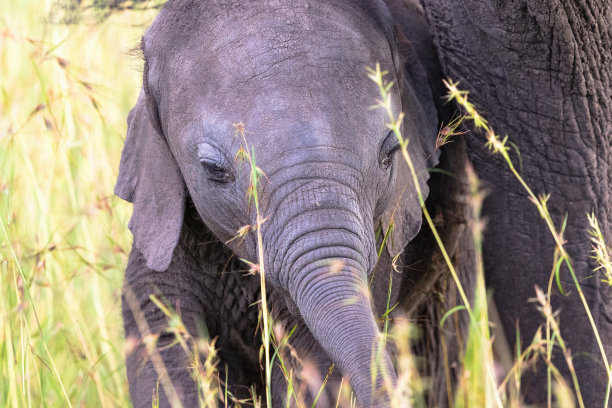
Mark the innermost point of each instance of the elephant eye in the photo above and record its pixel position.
(217, 173)
(215, 164)
(388, 148)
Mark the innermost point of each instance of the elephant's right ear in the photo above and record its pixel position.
(150, 178)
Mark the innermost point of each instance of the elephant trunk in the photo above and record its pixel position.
(334, 302)
(324, 270)
(323, 246)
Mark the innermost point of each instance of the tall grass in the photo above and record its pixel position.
(248, 153)
(65, 92)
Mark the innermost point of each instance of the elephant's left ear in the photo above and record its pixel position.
(403, 215)
(150, 178)
(418, 74)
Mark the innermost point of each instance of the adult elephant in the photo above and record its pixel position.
(294, 74)
(541, 72)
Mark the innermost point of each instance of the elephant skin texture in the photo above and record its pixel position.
(288, 82)
(540, 71)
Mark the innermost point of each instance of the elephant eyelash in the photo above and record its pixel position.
(215, 163)
(388, 148)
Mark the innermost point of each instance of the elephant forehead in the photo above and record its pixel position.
(299, 108)
(284, 119)
(323, 45)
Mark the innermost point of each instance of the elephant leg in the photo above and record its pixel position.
(216, 301)
(159, 370)
(231, 314)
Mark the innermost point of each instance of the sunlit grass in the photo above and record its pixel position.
(65, 92)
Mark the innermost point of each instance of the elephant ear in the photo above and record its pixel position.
(149, 177)
(418, 76)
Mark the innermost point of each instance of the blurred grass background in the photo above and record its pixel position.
(66, 90)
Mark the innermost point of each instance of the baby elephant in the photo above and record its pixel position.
(286, 82)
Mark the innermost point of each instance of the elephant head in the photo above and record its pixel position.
(295, 75)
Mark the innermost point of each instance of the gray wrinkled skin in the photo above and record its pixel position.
(295, 75)
(540, 71)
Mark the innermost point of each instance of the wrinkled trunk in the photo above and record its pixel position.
(325, 253)
(540, 72)
(336, 308)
